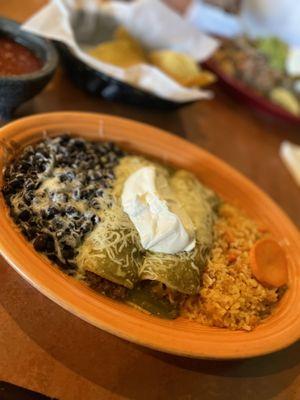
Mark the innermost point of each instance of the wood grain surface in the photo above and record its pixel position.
(44, 348)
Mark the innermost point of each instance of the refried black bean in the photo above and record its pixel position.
(24, 215)
(54, 190)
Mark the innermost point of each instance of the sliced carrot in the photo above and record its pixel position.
(268, 263)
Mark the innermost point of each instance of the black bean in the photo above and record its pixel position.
(7, 173)
(51, 212)
(71, 266)
(78, 223)
(29, 184)
(50, 244)
(6, 190)
(30, 232)
(99, 193)
(119, 153)
(17, 183)
(78, 144)
(63, 178)
(105, 185)
(24, 215)
(95, 204)
(28, 198)
(85, 227)
(68, 252)
(95, 219)
(68, 176)
(41, 167)
(42, 152)
(53, 258)
(64, 140)
(86, 194)
(24, 166)
(43, 242)
(67, 231)
(28, 151)
(70, 210)
(57, 223)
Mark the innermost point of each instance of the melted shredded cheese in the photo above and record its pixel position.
(116, 232)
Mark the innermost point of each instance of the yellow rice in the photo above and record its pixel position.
(230, 297)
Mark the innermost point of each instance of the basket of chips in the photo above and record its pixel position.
(140, 52)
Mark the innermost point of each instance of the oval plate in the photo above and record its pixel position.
(240, 90)
(179, 336)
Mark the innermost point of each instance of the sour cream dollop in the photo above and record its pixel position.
(159, 227)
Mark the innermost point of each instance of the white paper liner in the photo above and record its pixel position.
(150, 21)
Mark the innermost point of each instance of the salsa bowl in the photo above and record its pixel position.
(180, 336)
(16, 89)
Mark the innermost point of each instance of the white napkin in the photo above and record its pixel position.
(150, 21)
(290, 155)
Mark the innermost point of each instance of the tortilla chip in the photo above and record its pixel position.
(125, 51)
(204, 78)
(181, 67)
(121, 33)
(121, 52)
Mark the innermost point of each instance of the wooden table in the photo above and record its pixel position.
(44, 348)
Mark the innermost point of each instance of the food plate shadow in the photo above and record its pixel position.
(127, 369)
(249, 367)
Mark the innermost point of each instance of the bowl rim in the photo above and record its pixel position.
(12, 29)
(75, 295)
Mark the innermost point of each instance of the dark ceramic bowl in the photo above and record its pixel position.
(102, 85)
(16, 89)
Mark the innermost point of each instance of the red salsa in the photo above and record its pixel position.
(16, 59)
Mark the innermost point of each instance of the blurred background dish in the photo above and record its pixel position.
(257, 71)
(109, 51)
(259, 57)
(27, 63)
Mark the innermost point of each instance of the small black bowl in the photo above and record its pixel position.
(16, 89)
(102, 85)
